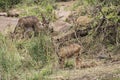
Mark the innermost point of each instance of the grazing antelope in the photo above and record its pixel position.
(29, 23)
(68, 52)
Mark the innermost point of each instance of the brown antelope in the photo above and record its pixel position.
(29, 23)
(68, 52)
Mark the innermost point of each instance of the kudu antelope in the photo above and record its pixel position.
(72, 50)
(29, 23)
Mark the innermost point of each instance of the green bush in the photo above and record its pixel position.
(45, 7)
(6, 4)
(97, 2)
(107, 31)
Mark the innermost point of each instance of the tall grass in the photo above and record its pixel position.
(23, 59)
(9, 58)
(40, 48)
(44, 7)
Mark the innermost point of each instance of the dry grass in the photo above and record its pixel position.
(88, 73)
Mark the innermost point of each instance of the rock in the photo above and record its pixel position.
(7, 24)
(60, 26)
(71, 34)
(64, 37)
(62, 14)
(83, 20)
(102, 56)
(3, 14)
(13, 13)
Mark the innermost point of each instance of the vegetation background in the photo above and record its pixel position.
(33, 59)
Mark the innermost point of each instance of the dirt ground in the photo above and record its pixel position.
(101, 72)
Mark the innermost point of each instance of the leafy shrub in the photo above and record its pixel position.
(6, 4)
(45, 8)
(105, 31)
(97, 2)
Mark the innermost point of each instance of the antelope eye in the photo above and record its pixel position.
(58, 40)
(60, 59)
